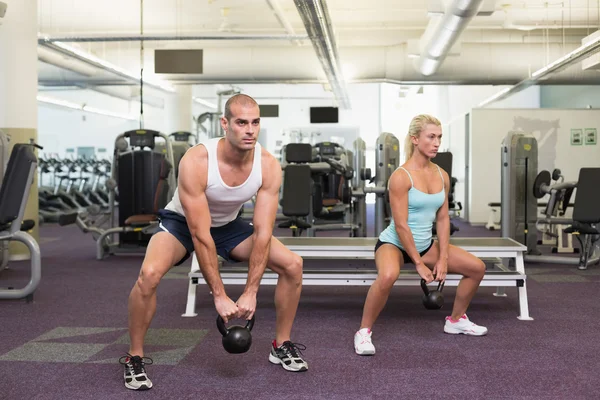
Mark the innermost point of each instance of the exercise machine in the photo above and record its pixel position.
(553, 222)
(444, 161)
(322, 198)
(387, 160)
(586, 214)
(14, 193)
(180, 143)
(521, 187)
(4, 255)
(213, 119)
(144, 181)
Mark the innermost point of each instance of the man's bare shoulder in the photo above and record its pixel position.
(195, 154)
(271, 169)
(267, 159)
(193, 162)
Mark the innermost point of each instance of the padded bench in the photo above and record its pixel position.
(358, 248)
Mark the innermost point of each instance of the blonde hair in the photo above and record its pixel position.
(417, 125)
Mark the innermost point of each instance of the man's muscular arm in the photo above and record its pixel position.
(265, 211)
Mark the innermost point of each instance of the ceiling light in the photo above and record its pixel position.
(82, 107)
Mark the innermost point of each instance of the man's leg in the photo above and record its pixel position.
(288, 266)
(163, 251)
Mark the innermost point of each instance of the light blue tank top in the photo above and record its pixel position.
(422, 210)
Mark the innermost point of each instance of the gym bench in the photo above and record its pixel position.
(358, 248)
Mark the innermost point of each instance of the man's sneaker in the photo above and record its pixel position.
(464, 326)
(288, 356)
(362, 342)
(135, 373)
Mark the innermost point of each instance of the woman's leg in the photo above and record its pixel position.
(388, 260)
(471, 268)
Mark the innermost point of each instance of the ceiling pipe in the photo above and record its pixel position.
(454, 21)
(283, 21)
(149, 38)
(316, 20)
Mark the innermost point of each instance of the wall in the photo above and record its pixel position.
(61, 127)
(462, 101)
(294, 106)
(552, 129)
(570, 96)
(400, 104)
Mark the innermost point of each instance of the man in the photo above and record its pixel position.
(215, 179)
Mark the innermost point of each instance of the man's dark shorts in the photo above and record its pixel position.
(226, 237)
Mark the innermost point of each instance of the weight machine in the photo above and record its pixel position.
(521, 186)
(144, 181)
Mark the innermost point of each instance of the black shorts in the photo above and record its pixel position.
(226, 237)
(407, 259)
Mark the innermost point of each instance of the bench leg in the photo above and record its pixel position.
(523, 303)
(500, 292)
(190, 307)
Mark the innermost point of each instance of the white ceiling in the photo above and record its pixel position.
(375, 39)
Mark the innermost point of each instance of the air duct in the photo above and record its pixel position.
(64, 62)
(316, 20)
(94, 61)
(454, 21)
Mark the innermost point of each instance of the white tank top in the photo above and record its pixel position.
(224, 202)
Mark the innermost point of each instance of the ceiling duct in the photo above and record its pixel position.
(64, 62)
(454, 21)
(92, 60)
(316, 20)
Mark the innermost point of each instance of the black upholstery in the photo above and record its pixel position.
(296, 197)
(298, 153)
(585, 208)
(15, 184)
(143, 189)
(586, 213)
(296, 191)
(444, 160)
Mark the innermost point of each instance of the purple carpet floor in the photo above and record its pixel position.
(66, 343)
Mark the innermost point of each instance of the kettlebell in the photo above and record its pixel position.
(236, 339)
(434, 299)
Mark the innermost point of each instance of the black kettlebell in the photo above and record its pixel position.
(432, 299)
(237, 339)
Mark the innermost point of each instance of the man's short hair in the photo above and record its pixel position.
(241, 99)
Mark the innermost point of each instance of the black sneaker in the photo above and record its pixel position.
(135, 373)
(287, 355)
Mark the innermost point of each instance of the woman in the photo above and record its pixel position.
(418, 192)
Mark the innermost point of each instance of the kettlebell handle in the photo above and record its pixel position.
(223, 329)
(424, 286)
(426, 289)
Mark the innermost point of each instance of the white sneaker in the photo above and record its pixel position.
(362, 342)
(464, 326)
